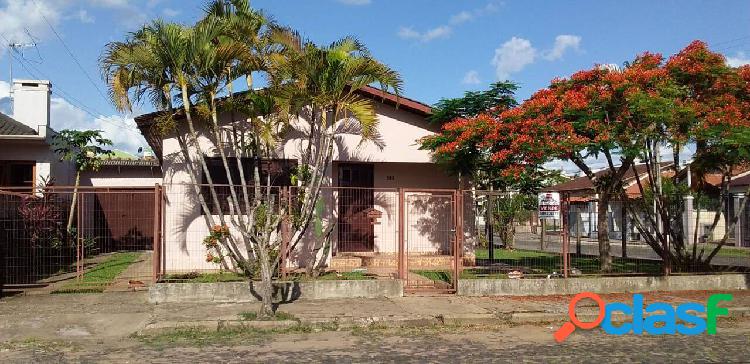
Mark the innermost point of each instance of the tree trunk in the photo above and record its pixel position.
(73, 203)
(602, 227)
(266, 284)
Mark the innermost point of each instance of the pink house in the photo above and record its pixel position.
(361, 196)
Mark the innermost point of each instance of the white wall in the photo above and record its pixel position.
(110, 176)
(48, 163)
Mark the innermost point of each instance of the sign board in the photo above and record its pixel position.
(549, 205)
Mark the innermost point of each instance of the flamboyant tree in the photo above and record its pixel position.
(623, 117)
(601, 112)
(718, 125)
(461, 148)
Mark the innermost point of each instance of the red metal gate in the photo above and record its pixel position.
(430, 239)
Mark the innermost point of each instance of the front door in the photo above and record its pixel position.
(356, 199)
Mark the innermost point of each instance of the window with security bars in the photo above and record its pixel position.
(279, 170)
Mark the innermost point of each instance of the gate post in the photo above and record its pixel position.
(79, 235)
(401, 243)
(565, 236)
(156, 255)
(285, 232)
(459, 227)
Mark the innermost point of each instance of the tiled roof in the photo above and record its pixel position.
(9, 126)
(741, 181)
(131, 162)
(146, 122)
(583, 183)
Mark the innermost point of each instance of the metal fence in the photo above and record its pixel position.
(513, 242)
(107, 243)
(351, 233)
(127, 238)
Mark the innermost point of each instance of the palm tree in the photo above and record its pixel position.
(183, 70)
(167, 62)
(321, 83)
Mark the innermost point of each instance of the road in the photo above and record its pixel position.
(516, 344)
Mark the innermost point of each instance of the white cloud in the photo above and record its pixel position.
(121, 130)
(739, 59)
(18, 18)
(517, 53)
(461, 17)
(471, 78)
(170, 13)
(512, 57)
(83, 16)
(432, 34)
(110, 3)
(444, 30)
(563, 43)
(355, 2)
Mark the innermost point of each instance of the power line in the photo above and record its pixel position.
(74, 101)
(60, 91)
(70, 52)
(731, 41)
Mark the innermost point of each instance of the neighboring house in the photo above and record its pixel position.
(26, 156)
(365, 213)
(125, 172)
(584, 203)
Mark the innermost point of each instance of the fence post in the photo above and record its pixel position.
(156, 255)
(79, 237)
(490, 228)
(285, 233)
(624, 226)
(458, 211)
(738, 238)
(565, 236)
(578, 231)
(543, 225)
(401, 244)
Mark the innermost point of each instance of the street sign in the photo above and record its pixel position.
(549, 205)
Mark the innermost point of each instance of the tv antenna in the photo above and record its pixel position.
(14, 47)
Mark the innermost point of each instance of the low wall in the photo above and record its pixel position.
(283, 291)
(542, 287)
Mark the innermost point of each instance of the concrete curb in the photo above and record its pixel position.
(283, 291)
(503, 318)
(542, 287)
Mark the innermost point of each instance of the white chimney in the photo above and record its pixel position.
(31, 103)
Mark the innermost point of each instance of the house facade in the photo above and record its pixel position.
(697, 215)
(359, 199)
(27, 159)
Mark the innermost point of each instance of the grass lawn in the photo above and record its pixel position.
(333, 276)
(196, 277)
(543, 263)
(97, 278)
(729, 252)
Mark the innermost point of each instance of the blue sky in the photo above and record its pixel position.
(440, 47)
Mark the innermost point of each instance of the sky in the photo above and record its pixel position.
(441, 48)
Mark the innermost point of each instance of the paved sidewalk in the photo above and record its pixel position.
(113, 315)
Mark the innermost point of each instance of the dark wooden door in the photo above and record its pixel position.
(356, 199)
